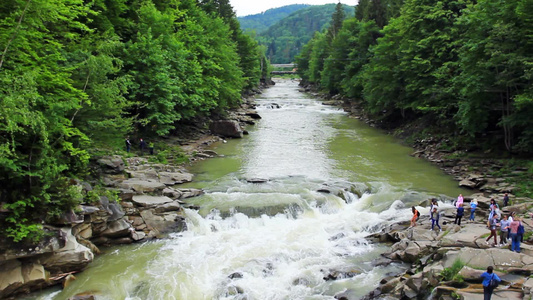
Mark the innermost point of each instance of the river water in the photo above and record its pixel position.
(278, 239)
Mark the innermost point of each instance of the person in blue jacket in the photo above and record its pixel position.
(487, 276)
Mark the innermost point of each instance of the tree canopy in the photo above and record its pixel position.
(77, 73)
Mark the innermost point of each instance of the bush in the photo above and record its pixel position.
(451, 273)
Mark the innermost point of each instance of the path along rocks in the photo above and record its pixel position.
(433, 254)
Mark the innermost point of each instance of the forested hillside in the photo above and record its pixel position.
(466, 68)
(285, 39)
(77, 74)
(261, 22)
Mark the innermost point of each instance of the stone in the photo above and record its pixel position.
(118, 228)
(172, 206)
(73, 256)
(174, 178)
(172, 193)
(83, 230)
(226, 128)
(150, 201)
(138, 235)
(111, 164)
(190, 193)
(142, 186)
(468, 184)
(167, 222)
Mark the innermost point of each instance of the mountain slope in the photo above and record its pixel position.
(261, 22)
(285, 38)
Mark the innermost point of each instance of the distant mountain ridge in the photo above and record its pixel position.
(285, 39)
(261, 22)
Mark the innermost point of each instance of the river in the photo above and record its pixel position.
(280, 238)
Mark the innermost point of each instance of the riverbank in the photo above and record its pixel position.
(142, 201)
(486, 172)
(448, 264)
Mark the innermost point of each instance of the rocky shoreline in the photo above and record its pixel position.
(433, 254)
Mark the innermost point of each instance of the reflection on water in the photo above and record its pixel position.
(331, 182)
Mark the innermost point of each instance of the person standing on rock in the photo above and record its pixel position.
(460, 200)
(151, 146)
(505, 200)
(142, 146)
(433, 205)
(459, 214)
(493, 224)
(515, 237)
(473, 206)
(416, 216)
(487, 277)
(504, 230)
(435, 218)
(128, 144)
(493, 207)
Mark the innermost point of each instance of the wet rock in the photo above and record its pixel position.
(119, 228)
(236, 275)
(226, 128)
(257, 180)
(162, 223)
(190, 193)
(172, 206)
(83, 296)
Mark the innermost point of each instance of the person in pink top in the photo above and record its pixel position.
(460, 200)
(515, 238)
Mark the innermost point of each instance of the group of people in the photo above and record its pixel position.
(508, 227)
(142, 146)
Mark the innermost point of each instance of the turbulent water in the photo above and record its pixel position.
(281, 238)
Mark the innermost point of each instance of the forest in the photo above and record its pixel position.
(261, 22)
(462, 69)
(79, 74)
(285, 39)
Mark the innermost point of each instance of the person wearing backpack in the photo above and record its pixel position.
(416, 216)
(490, 282)
(459, 215)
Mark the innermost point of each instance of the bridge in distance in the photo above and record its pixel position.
(293, 66)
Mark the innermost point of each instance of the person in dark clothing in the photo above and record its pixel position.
(487, 277)
(505, 199)
(459, 215)
(142, 145)
(128, 144)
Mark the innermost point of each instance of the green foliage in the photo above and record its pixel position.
(451, 273)
(78, 74)
(285, 39)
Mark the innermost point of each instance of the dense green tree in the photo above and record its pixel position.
(495, 78)
(40, 147)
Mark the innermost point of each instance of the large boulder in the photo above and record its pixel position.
(111, 164)
(73, 256)
(226, 128)
(17, 277)
(118, 228)
(163, 223)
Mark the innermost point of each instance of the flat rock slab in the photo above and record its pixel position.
(496, 295)
(142, 186)
(149, 201)
(466, 237)
(481, 258)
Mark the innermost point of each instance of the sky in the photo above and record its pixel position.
(252, 7)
